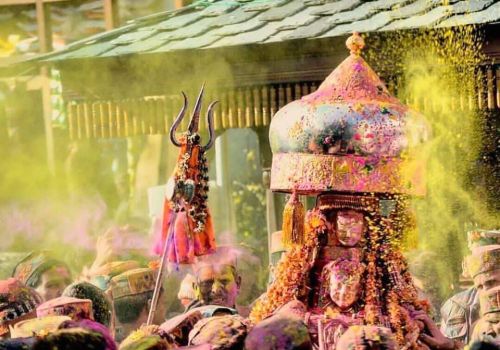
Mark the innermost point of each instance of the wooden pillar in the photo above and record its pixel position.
(180, 3)
(44, 26)
(490, 93)
(266, 162)
(497, 73)
(222, 146)
(45, 40)
(110, 14)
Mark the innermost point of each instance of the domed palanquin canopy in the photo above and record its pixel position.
(350, 135)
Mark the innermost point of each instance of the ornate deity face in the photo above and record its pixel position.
(218, 285)
(344, 281)
(350, 227)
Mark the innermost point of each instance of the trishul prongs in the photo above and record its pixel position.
(195, 120)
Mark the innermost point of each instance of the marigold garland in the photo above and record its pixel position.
(394, 316)
(291, 272)
(372, 306)
(393, 284)
(389, 292)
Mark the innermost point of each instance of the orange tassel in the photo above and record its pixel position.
(293, 221)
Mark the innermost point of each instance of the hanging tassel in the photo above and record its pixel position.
(293, 221)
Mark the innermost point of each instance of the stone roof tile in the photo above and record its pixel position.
(218, 23)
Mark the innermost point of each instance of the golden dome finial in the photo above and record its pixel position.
(355, 43)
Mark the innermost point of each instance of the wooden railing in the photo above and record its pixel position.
(238, 108)
(246, 107)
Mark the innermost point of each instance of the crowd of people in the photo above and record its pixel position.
(43, 306)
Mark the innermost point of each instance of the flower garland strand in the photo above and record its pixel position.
(292, 270)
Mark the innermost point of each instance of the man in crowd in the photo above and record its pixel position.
(216, 284)
(488, 326)
(132, 293)
(17, 303)
(43, 273)
(461, 311)
(217, 280)
(77, 338)
(101, 276)
(216, 289)
(77, 309)
(102, 307)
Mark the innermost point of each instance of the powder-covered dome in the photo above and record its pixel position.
(349, 135)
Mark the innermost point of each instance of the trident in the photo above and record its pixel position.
(191, 133)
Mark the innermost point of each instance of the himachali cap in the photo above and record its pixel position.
(17, 302)
(350, 135)
(133, 282)
(483, 259)
(28, 270)
(114, 268)
(480, 238)
(75, 308)
(489, 301)
(102, 276)
(37, 326)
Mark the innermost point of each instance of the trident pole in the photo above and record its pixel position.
(160, 277)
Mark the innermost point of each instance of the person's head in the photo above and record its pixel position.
(493, 322)
(480, 238)
(186, 293)
(350, 227)
(148, 338)
(367, 338)
(149, 342)
(132, 309)
(92, 326)
(132, 294)
(47, 276)
(101, 276)
(37, 326)
(101, 304)
(71, 339)
(343, 278)
(77, 309)
(486, 329)
(483, 267)
(489, 301)
(17, 303)
(483, 345)
(217, 284)
(279, 332)
(487, 280)
(223, 332)
(18, 343)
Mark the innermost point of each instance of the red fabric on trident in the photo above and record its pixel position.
(179, 227)
(185, 244)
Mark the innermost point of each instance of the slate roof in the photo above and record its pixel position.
(223, 23)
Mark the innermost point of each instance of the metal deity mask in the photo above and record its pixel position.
(344, 281)
(350, 227)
